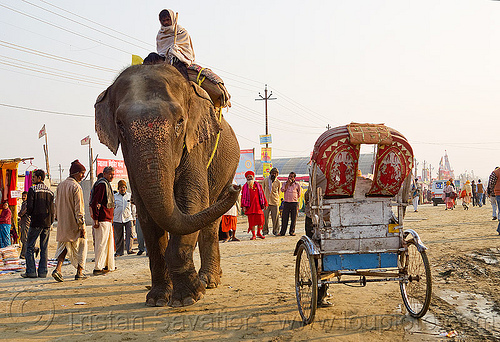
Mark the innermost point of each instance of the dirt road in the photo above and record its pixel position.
(256, 300)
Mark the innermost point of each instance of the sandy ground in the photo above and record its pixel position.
(256, 300)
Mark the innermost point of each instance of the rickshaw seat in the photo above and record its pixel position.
(336, 152)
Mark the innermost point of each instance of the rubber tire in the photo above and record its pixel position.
(428, 286)
(313, 288)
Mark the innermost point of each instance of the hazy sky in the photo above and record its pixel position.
(430, 69)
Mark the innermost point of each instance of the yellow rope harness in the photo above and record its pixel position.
(200, 80)
(216, 140)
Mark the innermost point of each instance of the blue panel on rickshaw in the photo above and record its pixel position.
(359, 261)
(388, 260)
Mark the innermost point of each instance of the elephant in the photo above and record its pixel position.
(181, 157)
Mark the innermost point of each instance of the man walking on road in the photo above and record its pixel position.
(272, 190)
(70, 214)
(291, 190)
(102, 205)
(494, 184)
(480, 192)
(492, 181)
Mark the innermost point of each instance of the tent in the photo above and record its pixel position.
(8, 185)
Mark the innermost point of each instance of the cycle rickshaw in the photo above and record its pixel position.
(357, 238)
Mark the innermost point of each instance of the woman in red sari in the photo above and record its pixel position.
(253, 202)
(5, 221)
(448, 195)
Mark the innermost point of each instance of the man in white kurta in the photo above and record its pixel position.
(70, 213)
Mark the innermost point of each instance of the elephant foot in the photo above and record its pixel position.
(158, 295)
(187, 290)
(210, 280)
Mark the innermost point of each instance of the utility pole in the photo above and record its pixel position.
(265, 98)
(424, 176)
(91, 160)
(46, 151)
(60, 173)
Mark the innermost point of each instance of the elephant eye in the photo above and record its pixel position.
(121, 128)
(178, 126)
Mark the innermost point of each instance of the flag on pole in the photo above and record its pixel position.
(136, 60)
(86, 140)
(42, 132)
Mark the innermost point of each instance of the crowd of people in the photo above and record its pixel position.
(113, 215)
(261, 203)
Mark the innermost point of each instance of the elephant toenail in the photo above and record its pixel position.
(175, 303)
(150, 302)
(188, 301)
(161, 302)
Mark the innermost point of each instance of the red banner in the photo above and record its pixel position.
(119, 165)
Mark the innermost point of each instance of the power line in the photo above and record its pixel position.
(322, 117)
(54, 57)
(284, 122)
(107, 56)
(51, 73)
(93, 22)
(84, 25)
(51, 79)
(46, 111)
(64, 29)
(50, 68)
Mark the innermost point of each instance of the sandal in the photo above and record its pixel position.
(82, 276)
(57, 276)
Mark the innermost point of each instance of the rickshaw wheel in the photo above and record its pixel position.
(417, 290)
(306, 284)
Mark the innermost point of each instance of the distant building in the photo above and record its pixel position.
(445, 171)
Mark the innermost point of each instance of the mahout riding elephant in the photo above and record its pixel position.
(168, 130)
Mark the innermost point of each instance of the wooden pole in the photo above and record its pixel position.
(91, 161)
(46, 151)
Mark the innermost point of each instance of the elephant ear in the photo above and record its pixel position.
(105, 123)
(203, 121)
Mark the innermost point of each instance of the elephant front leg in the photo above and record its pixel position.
(156, 244)
(208, 241)
(187, 288)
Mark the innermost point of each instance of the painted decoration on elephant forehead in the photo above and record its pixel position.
(145, 128)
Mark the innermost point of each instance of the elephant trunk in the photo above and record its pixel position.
(182, 224)
(158, 197)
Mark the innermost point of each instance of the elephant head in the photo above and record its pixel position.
(153, 112)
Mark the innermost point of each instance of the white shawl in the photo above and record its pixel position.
(183, 48)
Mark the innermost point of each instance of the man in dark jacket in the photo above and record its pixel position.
(40, 206)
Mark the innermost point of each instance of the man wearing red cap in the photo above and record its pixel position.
(253, 202)
(70, 214)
